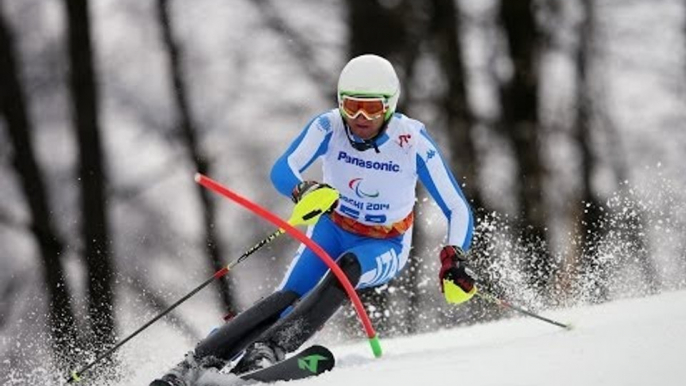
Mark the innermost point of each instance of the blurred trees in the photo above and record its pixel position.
(61, 319)
(446, 28)
(427, 42)
(188, 132)
(596, 219)
(96, 236)
(590, 208)
(521, 125)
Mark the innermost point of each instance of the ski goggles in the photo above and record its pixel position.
(370, 108)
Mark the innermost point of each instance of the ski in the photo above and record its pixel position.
(310, 362)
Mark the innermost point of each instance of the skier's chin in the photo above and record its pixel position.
(365, 130)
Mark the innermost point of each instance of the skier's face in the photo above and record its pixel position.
(364, 128)
(364, 115)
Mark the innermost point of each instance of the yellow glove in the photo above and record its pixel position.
(457, 280)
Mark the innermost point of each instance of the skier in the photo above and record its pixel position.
(373, 156)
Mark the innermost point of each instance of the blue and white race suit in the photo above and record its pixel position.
(376, 189)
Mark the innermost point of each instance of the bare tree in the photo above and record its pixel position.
(92, 175)
(520, 122)
(595, 225)
(61, 319)
(300, 49)
(188, 132)
(377, 28)
(460, 120)
(591, 209)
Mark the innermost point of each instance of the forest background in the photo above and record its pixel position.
(562, 120)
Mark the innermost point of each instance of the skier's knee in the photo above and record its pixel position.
(351, 267)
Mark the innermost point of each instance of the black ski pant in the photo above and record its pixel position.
(263, 322)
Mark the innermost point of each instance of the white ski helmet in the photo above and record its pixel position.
(370, 75)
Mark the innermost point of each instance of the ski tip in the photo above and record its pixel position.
(311, 362)
(159, 382)
(318, 353)
(319, 349)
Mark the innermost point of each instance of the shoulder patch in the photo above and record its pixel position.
(324, 123)
(404, 140)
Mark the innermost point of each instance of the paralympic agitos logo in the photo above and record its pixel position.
(355, 183)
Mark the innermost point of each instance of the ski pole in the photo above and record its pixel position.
(305, 212)
(488, 297)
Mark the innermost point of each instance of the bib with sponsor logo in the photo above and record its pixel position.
(376, 188)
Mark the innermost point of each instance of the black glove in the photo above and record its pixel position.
(454, 269)
(306, 187)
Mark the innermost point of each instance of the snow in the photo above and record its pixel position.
(638, 341)
(628, 342)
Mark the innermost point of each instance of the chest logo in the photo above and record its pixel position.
(355, 183)
(404, 139)
(388, 166)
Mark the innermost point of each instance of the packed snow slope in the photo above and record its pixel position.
(626, 342)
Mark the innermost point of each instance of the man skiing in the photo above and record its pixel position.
(373, 156)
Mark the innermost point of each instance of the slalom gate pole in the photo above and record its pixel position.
(342, 278)
(490, 298)
(306, 212)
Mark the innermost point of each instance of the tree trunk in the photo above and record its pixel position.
(590, 207)
(520, 123)
(188, 131)
(460, 120)
(92, 175)
(376, 28)
(595, 226)
(61, 321)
